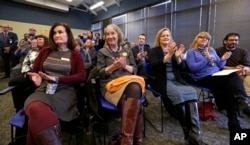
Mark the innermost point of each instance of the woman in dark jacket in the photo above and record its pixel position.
(165, 62)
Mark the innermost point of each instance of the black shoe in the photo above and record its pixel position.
(5, 77)
(244, 104)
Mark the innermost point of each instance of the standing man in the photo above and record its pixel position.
(8, 45)
(239, 59)
(141, 53)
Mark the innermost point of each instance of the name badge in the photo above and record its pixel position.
(65, 59)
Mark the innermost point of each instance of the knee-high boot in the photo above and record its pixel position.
(182, 118)
(50, 136)
(130, 111)
(195, 133)
(138, 130)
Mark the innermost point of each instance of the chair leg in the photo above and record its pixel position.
(161, 119)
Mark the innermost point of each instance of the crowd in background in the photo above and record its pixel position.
(58, 63)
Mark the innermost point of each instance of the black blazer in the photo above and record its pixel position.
(158, 70)
(136, 50)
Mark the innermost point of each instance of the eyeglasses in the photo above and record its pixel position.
(203, 37)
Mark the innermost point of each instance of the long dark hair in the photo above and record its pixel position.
(71, 41)
(45, 38)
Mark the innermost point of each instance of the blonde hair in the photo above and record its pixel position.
(117, 30)
(194, 44)
(158, 36)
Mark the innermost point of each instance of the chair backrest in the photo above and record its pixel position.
(96, 102)
(148, 78)
(91, 91)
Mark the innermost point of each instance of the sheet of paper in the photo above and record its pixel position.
(225, 72)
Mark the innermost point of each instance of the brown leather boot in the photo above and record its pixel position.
(130, 111)
(138, 130)
(50, 136)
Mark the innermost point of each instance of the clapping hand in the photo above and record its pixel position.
(35, 77)
(46, 77)
(120, 62)
(179, 51)
(171, 48)
(38, 77)
(226, 55)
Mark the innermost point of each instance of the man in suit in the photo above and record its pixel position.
(141, 53)
(8, 44)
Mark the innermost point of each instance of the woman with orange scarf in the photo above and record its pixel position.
(116, 66)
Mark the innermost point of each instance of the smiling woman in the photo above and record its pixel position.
(116, 64)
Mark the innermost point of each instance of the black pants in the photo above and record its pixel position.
(9, 61)
(24, 87)
(224, 88)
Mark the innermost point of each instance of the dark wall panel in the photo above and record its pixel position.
(24, 13)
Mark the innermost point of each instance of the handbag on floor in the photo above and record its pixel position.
(207, 111)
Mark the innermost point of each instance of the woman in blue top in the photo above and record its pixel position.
(203, 61)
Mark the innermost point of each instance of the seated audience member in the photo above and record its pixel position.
(32, 34)
(239, 59)
(30, 58)
(57, 72)
(141, 53)
(132, 44)
(24, 86)
(79, 47)
(21, 52)
(19, 94)
(203, 62)
(24, 42)
(87, 35)
(126, 43)
(116, 63)
(165, 65)
(91, 55)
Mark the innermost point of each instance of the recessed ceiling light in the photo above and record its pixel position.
(69, 0)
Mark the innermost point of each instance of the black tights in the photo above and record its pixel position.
(133, 90)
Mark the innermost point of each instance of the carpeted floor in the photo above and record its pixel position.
(214, 132)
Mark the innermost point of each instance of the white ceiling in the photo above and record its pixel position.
(65, 6)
